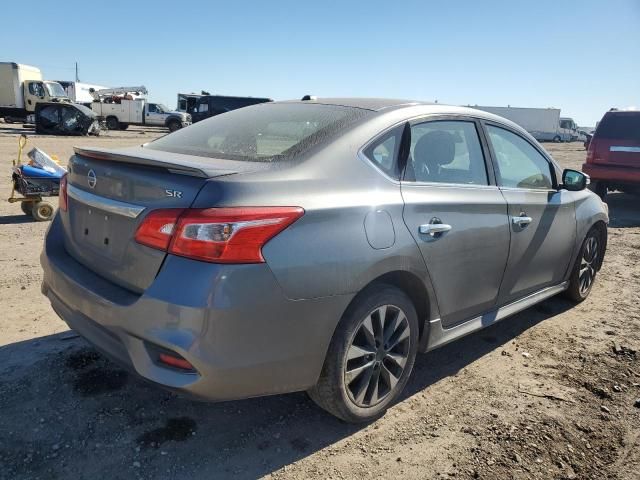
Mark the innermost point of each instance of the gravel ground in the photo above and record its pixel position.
(548, 393)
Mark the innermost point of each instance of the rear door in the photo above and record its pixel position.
(541, 217)
(457, 215)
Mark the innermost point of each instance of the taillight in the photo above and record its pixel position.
(158, 227)
(219, 235)
(63, 199)
(591, 151)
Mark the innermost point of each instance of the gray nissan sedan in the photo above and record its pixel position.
(314, 245)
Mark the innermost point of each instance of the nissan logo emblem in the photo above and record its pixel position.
(91, 178)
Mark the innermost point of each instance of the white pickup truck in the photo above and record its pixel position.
(120, 107)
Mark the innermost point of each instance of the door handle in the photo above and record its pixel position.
(433, 228)
(521, 221)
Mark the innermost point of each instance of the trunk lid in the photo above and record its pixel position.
(622, 153)
(109, 194)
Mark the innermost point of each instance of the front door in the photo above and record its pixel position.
(34, 93)
(457, 216)
(155, 115)
(542, 217)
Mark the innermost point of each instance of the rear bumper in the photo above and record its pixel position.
(623, 175)
(231, 322)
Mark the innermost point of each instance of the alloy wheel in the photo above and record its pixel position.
(588, 265)
(377, 356)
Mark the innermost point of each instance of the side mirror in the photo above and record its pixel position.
(574, 180)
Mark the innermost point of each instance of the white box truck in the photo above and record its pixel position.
(544, 124)
(123, 106)
(22, 88)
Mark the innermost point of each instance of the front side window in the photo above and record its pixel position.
(152, 108)
(71, 119)
(36, 89)
(519, 164)
(446, 152)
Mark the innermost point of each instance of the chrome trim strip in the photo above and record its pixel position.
(625, 149)
(107, 204)
(439, 336)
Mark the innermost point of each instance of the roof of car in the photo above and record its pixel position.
(373, 104)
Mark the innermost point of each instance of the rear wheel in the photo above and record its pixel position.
(124, 126)
(113, 123)
(600, 189)
(26, 207)
(586, 267)
(42, 211)
(557, 139)
(370, 357)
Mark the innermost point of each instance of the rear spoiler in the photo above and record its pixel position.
(183, 167)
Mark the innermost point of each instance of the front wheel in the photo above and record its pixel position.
(586, 267)
(174, 125)
(370, 357)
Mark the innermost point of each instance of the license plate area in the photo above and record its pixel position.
(99, 232)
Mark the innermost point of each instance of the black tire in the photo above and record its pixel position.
(583, 275)
(113, 123)
(600, 189)
(557, 139)
(26, 207)
(124, 126)
(362, 391)
(42, 211)
(174, 125)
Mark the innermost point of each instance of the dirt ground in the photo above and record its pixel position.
(548, 393)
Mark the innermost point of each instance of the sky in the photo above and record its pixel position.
(580, 56)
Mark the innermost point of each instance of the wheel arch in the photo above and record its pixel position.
(172, 118)
(601, 227)
(415, 289)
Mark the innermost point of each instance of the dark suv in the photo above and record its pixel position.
(210, 105)
(613, 158)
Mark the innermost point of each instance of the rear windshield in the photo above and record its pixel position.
(261, 133)
(620, 126)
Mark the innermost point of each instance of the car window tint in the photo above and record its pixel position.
(519, 164)
(383, 152)
(70, 119)
(446, 152)
(49, 116)
(620, 126)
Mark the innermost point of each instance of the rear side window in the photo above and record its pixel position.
(267, 132)
(620, 126)
(446, 152)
